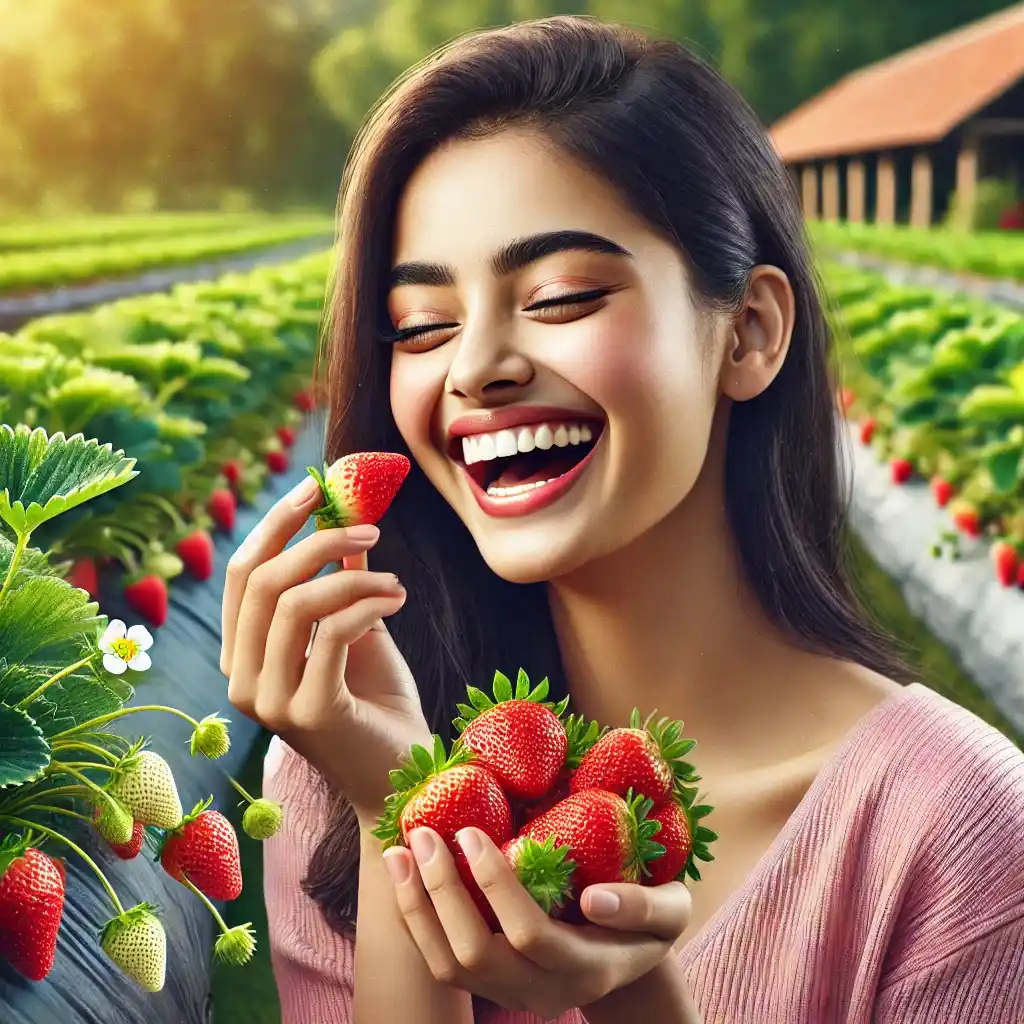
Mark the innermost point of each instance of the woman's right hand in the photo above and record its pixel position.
(347, 702)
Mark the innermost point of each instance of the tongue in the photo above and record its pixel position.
(538, 466)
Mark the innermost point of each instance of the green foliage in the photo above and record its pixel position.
(24, 753)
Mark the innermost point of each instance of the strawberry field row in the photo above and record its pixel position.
(26, 234)
(997, 254)
(48, 268)
(936, 385)
(205, 386)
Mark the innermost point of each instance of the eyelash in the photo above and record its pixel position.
(559, 303)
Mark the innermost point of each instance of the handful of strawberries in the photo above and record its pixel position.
(570, 803)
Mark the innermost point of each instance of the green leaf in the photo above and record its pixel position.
(33, 563)
(44, 476)
(1004, 468)
(24, 753)
(522, 685)
(479, 699)
(43, 613)
(78, 698)
(502, 687)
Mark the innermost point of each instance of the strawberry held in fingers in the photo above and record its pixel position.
(608, 836)
(31, 905)
(204, 848)
(517, 737)
(684, 838)
(544, 870)
(646, 758)
(358, 488)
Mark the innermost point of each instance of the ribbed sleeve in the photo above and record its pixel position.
(893, 895)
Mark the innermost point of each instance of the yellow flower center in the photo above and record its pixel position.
(124, 648)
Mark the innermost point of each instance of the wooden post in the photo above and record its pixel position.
(885, 191)
(856, 191)
(921, 194)
(966, 179)
(830, 191)
(809, 187)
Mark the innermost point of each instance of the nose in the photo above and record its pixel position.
(486, 362)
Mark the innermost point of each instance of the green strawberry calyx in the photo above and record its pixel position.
(700, 835)
(666, 733)
(642, 830)
(480, 703)
(416, 771)
(126, 920)
(13, 847)
(545, 870)
(236, 945)
(582, 734)
(332, 512)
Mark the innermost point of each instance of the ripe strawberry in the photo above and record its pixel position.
(942, 490)
(147, 788)
(1004, 558)
(684, 838)
(646, 758)
(277, 462)
(232, 472)
(222, 507)
(847, 398)
(196, 551)
(358, 488)
(286, 435)
(83, 575)
(62, 869)
(517, 737)
(136, 942)
(867, 429)
(31, 905)
(1020, 575)
(305, 401)
(901, 470)
(204, 848)
(967, 519)
(544, 870)
(131, 849)
(609, 837)
(447, 793)
(148, 596)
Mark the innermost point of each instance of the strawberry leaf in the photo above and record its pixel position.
(480, 701)
(522, 685)
(502, 687)
(24, 752)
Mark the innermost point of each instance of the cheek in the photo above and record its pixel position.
(417, 383)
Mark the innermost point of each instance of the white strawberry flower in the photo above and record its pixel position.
(125, 648)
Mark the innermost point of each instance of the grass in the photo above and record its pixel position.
(248, 995)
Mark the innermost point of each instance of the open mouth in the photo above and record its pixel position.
(512, 463)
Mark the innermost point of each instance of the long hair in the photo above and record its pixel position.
(687, 153)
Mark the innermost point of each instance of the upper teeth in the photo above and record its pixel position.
(502, 443)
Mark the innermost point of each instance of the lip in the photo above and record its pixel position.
(485, 422)
(531, 501)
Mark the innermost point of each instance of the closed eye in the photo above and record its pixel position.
(560, 301)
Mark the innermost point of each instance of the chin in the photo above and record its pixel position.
(534, 556)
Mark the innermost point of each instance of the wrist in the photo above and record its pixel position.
(661, 994)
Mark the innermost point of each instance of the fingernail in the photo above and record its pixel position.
(469, 840)
(424, 845)
(365, 532)
(303, 493)
(602, 903)
(398, 865)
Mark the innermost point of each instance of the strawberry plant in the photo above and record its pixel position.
(67, 779)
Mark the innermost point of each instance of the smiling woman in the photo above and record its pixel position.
(573, 286)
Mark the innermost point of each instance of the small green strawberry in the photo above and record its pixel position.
(358, 488)
(114, 821)
(146, 786)
(262, 819)
(136, 942)
(211, 738)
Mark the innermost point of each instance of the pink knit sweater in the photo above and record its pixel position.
(893, 895)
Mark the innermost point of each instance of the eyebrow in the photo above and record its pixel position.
(513, 256)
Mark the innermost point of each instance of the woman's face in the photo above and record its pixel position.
(551, 375)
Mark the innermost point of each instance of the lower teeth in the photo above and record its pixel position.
(507, 492)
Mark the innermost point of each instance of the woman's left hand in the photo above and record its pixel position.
(537, 964)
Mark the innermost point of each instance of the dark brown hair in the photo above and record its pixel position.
(689, 155)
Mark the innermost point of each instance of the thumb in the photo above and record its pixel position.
(662, 910)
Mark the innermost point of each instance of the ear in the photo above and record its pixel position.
(758, 338)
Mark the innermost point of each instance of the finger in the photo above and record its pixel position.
(265, 584)
(289, 636)
(662, 911)
(528, 929)
(468, 935)
(357, 561)
(265, 540)
(322, 682)
(420, 916)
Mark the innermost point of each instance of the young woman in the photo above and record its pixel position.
(576, 248)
